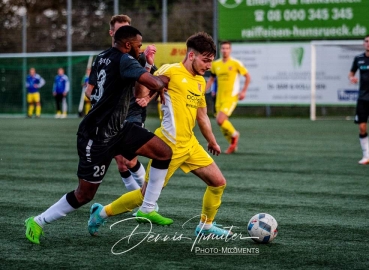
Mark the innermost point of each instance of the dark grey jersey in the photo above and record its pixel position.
(361, 62)
(116, 74)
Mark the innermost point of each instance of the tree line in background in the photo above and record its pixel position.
(47, 22)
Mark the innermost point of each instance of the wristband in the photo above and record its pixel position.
(147, 65)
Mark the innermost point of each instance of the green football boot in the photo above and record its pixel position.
(152, 217)
(33, 230)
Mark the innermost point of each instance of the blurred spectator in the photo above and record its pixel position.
(60, 91)
(33, 83)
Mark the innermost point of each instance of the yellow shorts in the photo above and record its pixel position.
(226, 106)
(190, 157)
(33, 97)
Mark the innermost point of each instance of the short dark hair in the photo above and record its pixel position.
(120, 19)
(125, 33)
(202, 43)
(225, 42)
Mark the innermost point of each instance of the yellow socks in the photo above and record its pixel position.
(38, 110)
(228, 130)
(211, 202)
(30, 109)
(125, 203)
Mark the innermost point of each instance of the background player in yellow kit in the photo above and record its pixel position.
(227, 70)
(84, 83)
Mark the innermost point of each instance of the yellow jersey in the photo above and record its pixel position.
(185, 94)
(228, 77)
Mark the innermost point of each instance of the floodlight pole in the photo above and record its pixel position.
(116, 7)
(165, 21)
(313, 83)
(24, 65)
(69, 50)
(215, 22)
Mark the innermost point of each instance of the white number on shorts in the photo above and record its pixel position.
(99, 171)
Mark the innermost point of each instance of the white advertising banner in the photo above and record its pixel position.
(280, 73)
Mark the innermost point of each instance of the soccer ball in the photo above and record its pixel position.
(263, 226)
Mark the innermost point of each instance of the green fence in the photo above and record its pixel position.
(14, 69)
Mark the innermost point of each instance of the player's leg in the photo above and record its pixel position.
(31, 106)
(139, 141)
(137, 170)
(127, 178)
(157, 175)
(225, 126)
(127, 202)
(58, 99)
(225, 110)
(152, 191)
(64, 107)
(204, 167)
(364, 143)
(90, 176)
(361, 118)
(71, 201)
(216, 184)
(132, 173)
(38, 104)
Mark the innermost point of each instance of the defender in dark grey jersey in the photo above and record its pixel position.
(104, 133)
(361, 63)
(132, 171)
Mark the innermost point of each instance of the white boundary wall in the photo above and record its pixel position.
(281, 73)
(333, 55)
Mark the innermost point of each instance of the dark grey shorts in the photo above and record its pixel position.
(95, 156)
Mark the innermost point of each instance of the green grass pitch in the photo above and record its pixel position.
(303, 173)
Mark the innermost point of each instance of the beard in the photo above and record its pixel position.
(195, 69)
(132, 53)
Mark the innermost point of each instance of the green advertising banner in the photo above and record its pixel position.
(292, 19)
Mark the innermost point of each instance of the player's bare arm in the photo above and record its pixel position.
(144, 94)
(245, 86)
(149, 81)
(150, 54)
(147, 95)
(352, 78)
(88, 90)
(144, 101)
(206, 130)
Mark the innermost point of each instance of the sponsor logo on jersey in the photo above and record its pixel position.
(193, 99)
(105, 61)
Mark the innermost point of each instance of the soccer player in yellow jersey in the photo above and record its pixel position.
(184, 106)
(227, 70)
